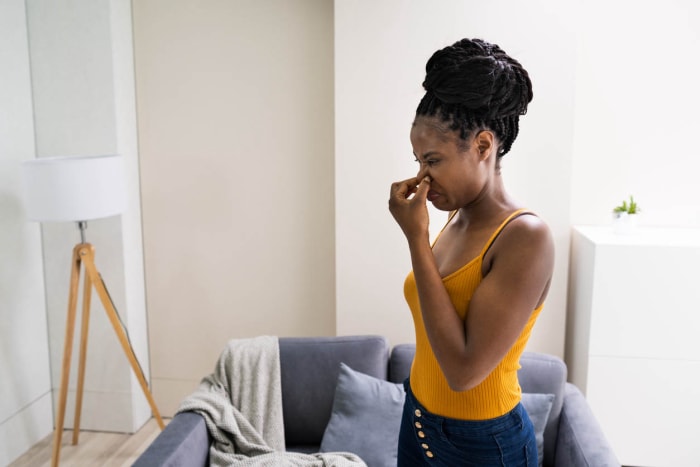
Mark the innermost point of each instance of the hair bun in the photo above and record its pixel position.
(481, 78)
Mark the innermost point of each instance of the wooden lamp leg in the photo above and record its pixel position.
(88, 258)
(67, 350)
(87, 295)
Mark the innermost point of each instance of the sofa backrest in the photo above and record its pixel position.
(400, 362)
(539, 373)
(309, 372)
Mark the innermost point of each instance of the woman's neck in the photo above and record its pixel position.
(492, 204)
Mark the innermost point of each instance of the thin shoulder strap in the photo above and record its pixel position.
(449, 219)
(503, 225)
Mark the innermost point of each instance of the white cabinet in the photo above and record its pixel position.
(633, 339)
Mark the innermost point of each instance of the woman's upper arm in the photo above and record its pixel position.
(522, 260)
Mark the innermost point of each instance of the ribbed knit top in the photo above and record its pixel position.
(500, 392)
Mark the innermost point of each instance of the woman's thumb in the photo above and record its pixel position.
(423, 188)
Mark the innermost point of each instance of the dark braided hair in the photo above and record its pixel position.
(475, 85)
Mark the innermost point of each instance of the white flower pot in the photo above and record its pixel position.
(624, 223)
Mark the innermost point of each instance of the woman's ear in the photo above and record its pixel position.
(485, 142)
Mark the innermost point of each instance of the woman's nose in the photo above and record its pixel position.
(422, 171)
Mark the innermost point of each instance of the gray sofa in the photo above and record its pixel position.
(309, 372)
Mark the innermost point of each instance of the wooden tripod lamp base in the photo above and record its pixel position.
(84, 256)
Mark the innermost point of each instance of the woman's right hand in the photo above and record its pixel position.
(411, 212)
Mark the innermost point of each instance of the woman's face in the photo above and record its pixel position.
(460, 172)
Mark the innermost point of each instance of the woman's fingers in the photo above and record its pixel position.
(423, 188)
(403, 189)
(410, 212)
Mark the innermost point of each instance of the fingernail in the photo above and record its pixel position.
(426, 179)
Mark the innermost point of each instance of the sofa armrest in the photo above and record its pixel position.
(184, 442)
(581, 441)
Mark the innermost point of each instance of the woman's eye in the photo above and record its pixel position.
(429, 162)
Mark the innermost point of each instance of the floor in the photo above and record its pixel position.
(93, 448)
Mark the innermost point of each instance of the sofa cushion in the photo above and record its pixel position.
(309, 373)
(538, 407)
(545, 374)
(366, 418)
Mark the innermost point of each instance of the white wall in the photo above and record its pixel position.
(614, 114)
(83, 100)
(636, 121)
(381, 50)
(636, 112)
(25, 388)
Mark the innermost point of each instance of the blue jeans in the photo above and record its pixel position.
(427, 439)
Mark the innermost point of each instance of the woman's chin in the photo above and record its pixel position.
(440, 204)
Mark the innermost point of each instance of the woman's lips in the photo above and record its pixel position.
(433, 195)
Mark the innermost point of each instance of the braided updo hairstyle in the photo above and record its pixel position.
(472, 85)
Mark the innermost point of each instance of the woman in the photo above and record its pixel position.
(476, 292)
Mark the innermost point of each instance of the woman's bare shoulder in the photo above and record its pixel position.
(526, 236)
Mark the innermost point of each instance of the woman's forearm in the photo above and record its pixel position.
(444, 327)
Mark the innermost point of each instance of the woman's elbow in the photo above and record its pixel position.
(463, 382)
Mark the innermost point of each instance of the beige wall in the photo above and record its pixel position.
(235, 109)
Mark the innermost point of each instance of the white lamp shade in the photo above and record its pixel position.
(59, 189)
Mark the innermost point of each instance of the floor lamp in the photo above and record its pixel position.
(78, 189)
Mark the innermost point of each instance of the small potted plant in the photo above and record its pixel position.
(625, 216)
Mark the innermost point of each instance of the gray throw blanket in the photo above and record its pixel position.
(241, 403)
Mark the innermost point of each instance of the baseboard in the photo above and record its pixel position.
(25, 428)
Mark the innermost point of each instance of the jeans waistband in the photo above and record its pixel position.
(478, 426)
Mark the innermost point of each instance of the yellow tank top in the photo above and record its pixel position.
(500, 392)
